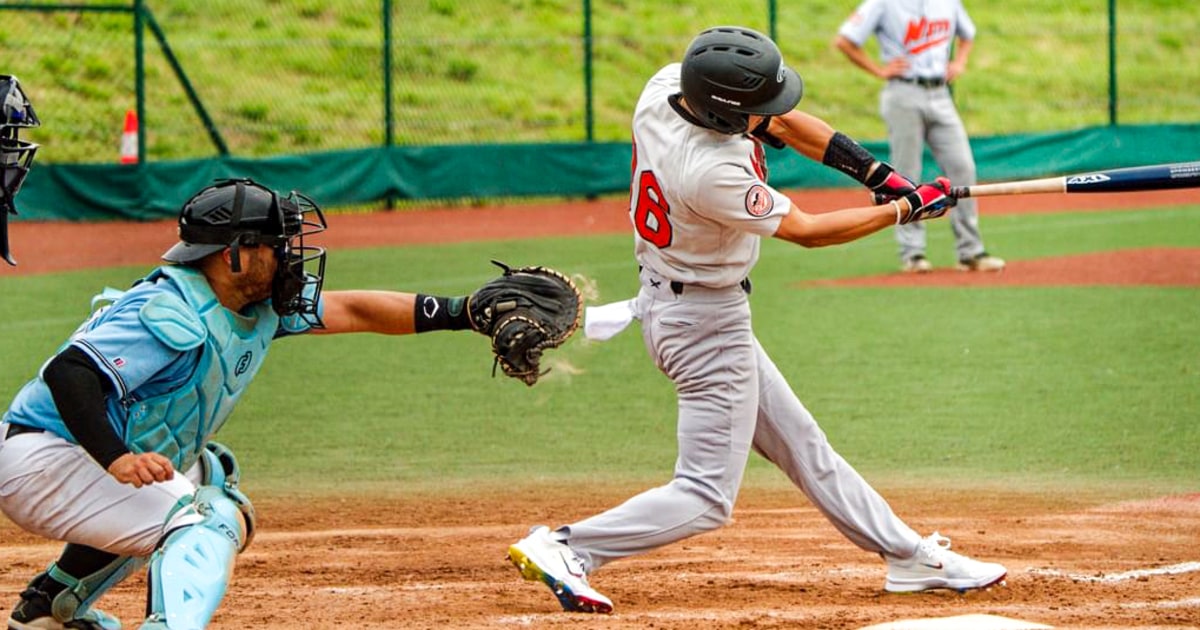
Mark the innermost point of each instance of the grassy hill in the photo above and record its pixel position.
(303, 75)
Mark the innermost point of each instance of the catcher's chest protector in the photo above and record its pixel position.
(178, 423)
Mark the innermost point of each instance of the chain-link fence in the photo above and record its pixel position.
(258, 78)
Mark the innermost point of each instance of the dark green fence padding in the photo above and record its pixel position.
(364, 176)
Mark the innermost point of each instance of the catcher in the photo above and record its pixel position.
(109, 448)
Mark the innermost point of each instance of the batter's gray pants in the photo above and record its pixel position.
(731, 398)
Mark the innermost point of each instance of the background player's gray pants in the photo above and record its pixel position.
(917, 115)
(731, 398)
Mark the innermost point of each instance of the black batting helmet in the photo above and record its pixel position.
(731, 72)
(16, 155)
(240, 212)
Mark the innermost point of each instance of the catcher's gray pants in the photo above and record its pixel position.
(731, 398)
(916, 115)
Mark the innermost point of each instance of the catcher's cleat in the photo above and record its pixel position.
(541, 558)
(33, 613)
(934, 566)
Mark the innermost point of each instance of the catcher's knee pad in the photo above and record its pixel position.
(74, 601)
(220, 469)
(190, 571)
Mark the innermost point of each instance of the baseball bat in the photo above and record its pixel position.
(1153, 177)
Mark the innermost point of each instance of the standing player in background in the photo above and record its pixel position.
(16, 155)
(109, 448)
(700, 205)
(915, 38)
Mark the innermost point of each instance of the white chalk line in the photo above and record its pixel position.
(1191, 602)
(1174, 569)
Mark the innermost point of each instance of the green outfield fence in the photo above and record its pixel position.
(370, 101)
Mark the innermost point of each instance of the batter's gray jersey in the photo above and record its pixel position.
(697, 220)
(920, 30)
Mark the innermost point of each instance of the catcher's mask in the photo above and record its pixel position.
(236, 212)
(731, 72)
(16, 155)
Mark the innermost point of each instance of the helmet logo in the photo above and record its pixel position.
(779, 74)
(727, 101)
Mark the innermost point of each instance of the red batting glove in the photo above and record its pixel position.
(929, 201)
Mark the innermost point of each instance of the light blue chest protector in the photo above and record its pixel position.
(178, 423)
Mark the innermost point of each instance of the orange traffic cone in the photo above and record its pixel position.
(129, 139)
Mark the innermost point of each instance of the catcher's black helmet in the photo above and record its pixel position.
(730, 72)
(240, 212)
(16, 155)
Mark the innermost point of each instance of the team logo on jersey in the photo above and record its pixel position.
(759, 201)
(924, 34)
(243, 363)
(119, 362)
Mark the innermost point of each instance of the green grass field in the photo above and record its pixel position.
(300, 76)
(1089, 387)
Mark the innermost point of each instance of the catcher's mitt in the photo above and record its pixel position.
(524, 312)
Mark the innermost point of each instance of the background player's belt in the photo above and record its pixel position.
(929, 82)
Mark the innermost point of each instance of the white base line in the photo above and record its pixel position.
(1186, 567)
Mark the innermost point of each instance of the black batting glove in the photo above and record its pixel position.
(927, 201)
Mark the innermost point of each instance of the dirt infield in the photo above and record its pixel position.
(44, 247)
(438, 562)
(414, 561)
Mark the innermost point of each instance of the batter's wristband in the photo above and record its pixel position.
(896, 205)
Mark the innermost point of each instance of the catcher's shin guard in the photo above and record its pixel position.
(190, 571)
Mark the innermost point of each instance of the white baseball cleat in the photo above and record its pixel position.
(935, 566)
(916, 264)
(982, 262)
(539, 557)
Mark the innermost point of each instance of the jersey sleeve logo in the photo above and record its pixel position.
(759, 201)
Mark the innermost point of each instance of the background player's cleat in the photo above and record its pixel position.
(981, 262)
(916, 264)
(935, 566)
(33, 613)
(539, 557)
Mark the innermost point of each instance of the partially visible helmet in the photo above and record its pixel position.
(240, 212)
(731, 72)
(16, 155)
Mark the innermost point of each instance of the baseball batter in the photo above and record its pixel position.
(700, 205)
(915, 38)
(109, 448)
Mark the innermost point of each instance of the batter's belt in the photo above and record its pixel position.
(665, 288)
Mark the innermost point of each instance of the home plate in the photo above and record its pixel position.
(974, 622)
